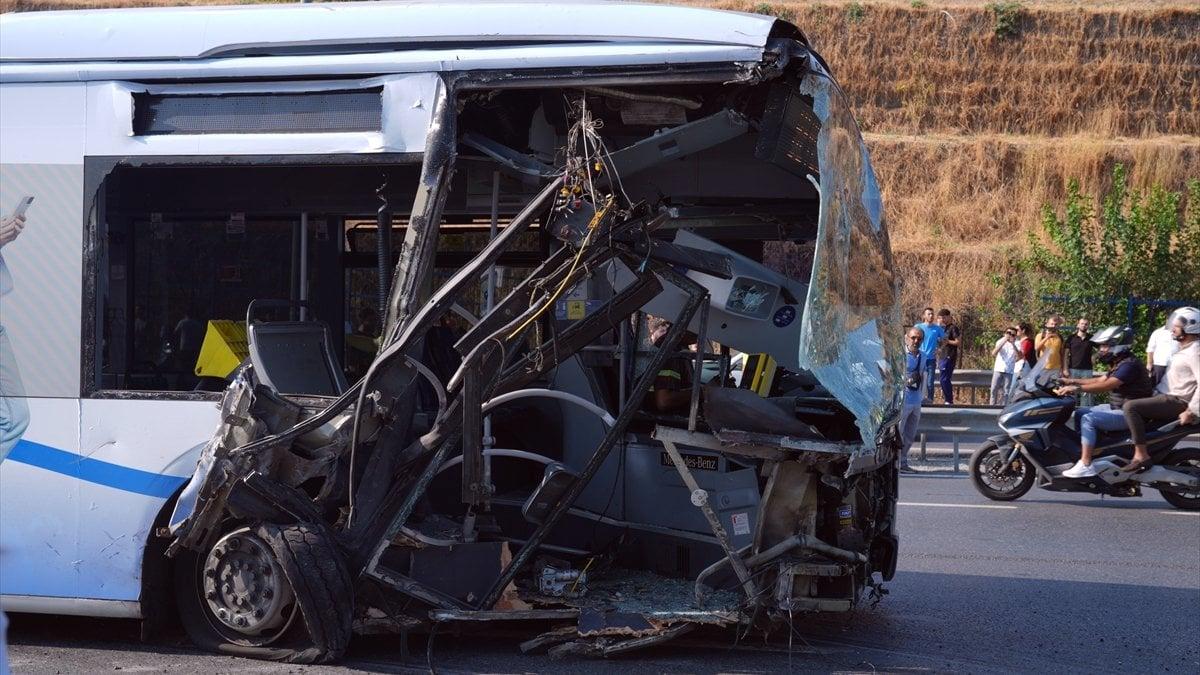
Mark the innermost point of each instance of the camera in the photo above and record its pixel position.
(913, 381)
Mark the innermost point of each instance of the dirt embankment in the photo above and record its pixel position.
(972, 129)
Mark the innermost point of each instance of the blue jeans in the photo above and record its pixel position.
(1099, 418)
(946, 366)
(930, 366)
(910, 418)
(14, 412)
(1083, 398)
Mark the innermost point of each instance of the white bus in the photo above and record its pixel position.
(160, 169)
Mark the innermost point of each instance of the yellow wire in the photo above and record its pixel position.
(574, 263)
(585, 569)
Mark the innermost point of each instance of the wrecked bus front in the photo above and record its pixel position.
(628, 319)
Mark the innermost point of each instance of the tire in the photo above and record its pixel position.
(1188, 459)
(996, 484)
(315, 591)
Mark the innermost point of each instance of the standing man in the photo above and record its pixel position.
(1007, 355)
(914, 373)
(1159, 351)
(14, 411)
(1079, 359)
(949, 360)
(932, 336)
(1050, 344)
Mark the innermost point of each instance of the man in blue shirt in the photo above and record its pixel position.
(934, 334)
(914, 375)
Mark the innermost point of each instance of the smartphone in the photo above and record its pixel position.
(22, 206)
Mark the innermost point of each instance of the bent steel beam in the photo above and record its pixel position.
(695, 296)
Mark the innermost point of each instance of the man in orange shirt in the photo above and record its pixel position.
(1050, 342)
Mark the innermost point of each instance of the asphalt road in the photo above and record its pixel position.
(1053, 582)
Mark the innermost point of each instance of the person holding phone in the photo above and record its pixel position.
(1007, 354)
(14, 412)
(1050, 343)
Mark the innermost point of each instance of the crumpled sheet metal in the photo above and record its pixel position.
(850, 332)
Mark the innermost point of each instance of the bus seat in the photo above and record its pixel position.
(293, 357)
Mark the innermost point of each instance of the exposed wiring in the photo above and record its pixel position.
(582, 573)
(578, 168)
(561, 287)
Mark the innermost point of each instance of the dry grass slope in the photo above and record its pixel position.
(1108, 72)
(972, 133)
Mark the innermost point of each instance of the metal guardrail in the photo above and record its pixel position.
(959, 424)
(966, 424)
(977, 382)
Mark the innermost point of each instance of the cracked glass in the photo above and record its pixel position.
(850, 332)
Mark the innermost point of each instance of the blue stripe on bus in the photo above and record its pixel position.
(95, 471)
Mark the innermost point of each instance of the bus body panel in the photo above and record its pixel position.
(502, 59)
(152, 447)
(39, 533)
(41, 156)
(79, 500)
(407, 107)
(181, 33)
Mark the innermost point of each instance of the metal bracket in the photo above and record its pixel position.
(700, 500)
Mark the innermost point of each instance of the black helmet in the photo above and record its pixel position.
(1119, 340)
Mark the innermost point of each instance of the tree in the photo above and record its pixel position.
(1141, 244)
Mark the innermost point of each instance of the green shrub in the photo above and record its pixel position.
(855, 12)
(1007, 15)
(1140, 244)
(919, 4)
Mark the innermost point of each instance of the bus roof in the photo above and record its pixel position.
(188, 33)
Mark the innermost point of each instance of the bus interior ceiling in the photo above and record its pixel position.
(495, 459)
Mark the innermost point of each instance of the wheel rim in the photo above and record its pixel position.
(1192, 468)
(998, 475)
(247, 596)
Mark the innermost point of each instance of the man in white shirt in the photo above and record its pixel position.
(1159, 351)
(1006, 355)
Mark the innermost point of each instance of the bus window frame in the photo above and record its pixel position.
(96, 171)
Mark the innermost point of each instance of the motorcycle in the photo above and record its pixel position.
(1038, 444)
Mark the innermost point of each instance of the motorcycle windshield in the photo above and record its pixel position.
(1037, 377)
(851, 332)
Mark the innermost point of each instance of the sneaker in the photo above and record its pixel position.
(1080, 470)
(904, 468)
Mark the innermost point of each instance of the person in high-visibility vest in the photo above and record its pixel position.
(672, 389)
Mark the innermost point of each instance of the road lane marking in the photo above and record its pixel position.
(960, 506)
(1182, 513)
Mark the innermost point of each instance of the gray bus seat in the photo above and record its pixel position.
(293, 357)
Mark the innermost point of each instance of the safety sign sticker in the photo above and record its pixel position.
(741, 523)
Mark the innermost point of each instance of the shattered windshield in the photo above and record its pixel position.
(849, 334)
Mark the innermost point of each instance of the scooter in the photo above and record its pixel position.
(1038, 445)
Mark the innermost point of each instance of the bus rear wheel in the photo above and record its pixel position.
(277, 592)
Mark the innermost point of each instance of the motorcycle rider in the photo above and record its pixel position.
(1177, 393)
(1126, 380)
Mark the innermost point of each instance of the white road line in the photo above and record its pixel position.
(958, 506)
(1182, 513)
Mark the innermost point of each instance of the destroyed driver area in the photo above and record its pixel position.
(568, 455)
